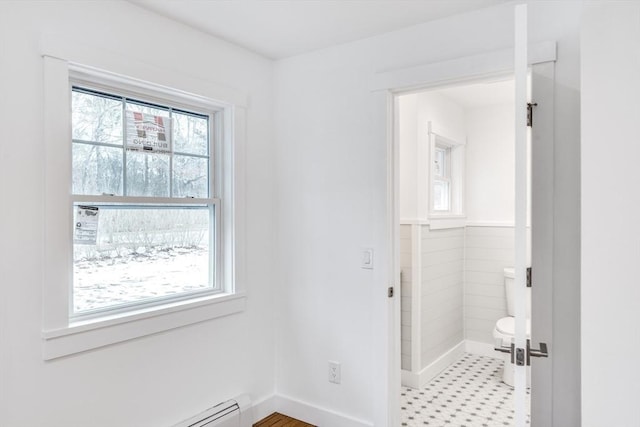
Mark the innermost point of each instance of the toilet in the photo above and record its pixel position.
(504, 331)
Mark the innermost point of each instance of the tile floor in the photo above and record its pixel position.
(469, 393)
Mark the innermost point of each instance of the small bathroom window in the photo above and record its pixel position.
(442, 179)
(446, 177)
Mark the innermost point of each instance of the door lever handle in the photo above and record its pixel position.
(518, 354)
(533, 352)
(504, 348)
(510, 349)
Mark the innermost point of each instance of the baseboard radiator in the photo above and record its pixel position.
(231, 413)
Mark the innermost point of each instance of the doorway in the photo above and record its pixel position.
(456, 240)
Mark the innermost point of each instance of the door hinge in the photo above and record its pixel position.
(528, 277)
(390, 292)
(530, 113)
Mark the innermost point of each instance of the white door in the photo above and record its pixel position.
(522, 349)
(519, 358)
(519, 349)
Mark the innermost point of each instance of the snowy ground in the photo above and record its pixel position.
(111, 281)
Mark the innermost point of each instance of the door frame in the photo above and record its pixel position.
(454, 72)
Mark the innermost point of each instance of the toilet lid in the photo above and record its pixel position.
(507, 325)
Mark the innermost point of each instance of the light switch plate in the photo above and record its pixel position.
(367, 258)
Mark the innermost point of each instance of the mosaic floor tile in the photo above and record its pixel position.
(469, 393)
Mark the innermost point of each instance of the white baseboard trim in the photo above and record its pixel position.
(316, 415)
(409, 379)
(262, 408)
(481, 349)
(422, 378)
(304, 411)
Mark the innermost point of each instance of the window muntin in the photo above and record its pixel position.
(157, 214)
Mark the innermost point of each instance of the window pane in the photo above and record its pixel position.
(96, 118)
(191, 134)
(440, 195)
(190, 176)
(96, 170)
(147, 174)
(142, 254)
(439, 162)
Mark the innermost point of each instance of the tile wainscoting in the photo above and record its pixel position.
(452, 287)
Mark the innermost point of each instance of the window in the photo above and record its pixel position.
(144, 212)
(143, 197)
(446, 177)
(442, 179)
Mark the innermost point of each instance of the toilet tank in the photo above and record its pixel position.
(509, 280)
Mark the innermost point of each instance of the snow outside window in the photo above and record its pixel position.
(144, 205)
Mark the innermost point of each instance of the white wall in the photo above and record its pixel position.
(331, 162)
(410, 163)
(490, 165)
(157, 380)
(416, 111)
(610, 211)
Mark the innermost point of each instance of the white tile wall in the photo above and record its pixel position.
(441, 314)
(488, 251)
(405, 295)
(461, 290)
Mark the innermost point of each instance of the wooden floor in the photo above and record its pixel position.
(279, 420)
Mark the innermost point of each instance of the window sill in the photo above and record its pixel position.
(443, 221)
(95, 333)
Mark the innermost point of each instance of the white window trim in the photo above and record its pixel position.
(63, 337)
(456, 164)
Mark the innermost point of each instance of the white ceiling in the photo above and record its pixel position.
(282, 28)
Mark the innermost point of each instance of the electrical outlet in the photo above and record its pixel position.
(334, 372)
